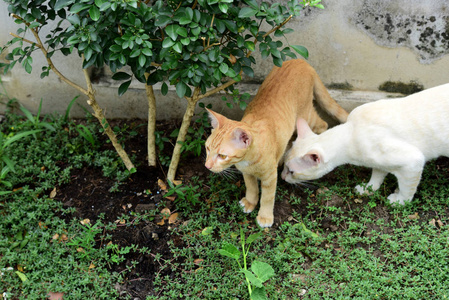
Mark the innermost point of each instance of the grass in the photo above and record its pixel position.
(335, 245)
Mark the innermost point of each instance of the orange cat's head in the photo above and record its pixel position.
(227, 144)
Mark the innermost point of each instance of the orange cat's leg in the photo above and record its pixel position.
(252, 193)
(265, 217)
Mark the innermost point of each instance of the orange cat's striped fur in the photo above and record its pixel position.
(256, 144)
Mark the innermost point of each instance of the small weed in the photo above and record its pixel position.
(260, 271)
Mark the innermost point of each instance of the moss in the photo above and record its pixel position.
(340, 86)
(400, 87)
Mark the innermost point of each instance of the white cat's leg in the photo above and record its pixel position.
(265, 217)
(408, 177)
(252, 193)
(408, 181)
(377, 177)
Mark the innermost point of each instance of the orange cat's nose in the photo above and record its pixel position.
(208, 165)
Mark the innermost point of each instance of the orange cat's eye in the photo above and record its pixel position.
(222, 156)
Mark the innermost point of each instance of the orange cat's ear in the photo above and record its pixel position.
(303, 129)
(242, 139)
(216, 120)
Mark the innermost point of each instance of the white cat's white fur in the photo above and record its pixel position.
(391, 136)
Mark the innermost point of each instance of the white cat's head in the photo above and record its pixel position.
(306, 159)
(227, 144)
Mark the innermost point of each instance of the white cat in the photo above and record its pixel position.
(391, 136)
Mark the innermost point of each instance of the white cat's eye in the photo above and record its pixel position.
(222, 156)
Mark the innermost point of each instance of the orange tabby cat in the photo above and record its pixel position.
(256, 144)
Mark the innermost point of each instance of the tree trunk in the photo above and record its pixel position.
(151, 139)
(98, 113)
(191, 104)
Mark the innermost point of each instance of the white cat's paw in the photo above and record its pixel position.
(361, 190)
(395, 199)
(247, 207)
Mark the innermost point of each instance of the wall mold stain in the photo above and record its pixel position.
(398, 25)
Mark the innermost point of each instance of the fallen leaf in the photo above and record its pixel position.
(165, 211)
(53, 193)
(129, 205)
(42, 169)
(64, 237)
(42, 225)
(162, 185)
(79, 249)
(207, 230)
(85, 222)
(172, 219)
(358, 201)
(20, 268)
(432, 222)
(171, 198)
(177, 182)
(440, 223)
(55, 296)
(414, 216)
(198, 261)
(161, 223)
(122, 222)
(91, 266)
(55, 236)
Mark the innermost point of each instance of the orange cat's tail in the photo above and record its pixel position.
(326, 102)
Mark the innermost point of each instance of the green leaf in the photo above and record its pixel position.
(135, 53)
(181, 89)
(181, 31)
(262, 270)
(161, 21)
(21, 276)
(252, 278)
(301, 50)
(259, 293)
(171, 31)
(224, 68)
(94, 13)
(167, 43)
(277, 61)
(142, 60)
(230, 250)
(248, 71)
(223, 7)
(164, 89)
(62, 3)
(123, 87)
(121, 76)
(250, 45)
(77, 7)
(177, 47)
(18, 136)
(247, 12)
(253, 237)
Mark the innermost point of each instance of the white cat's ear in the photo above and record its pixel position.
(241, 138)
(309, 160)
(216, 120)
(313, 158)
(303, 129)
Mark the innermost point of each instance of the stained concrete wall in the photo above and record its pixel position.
(359, 43)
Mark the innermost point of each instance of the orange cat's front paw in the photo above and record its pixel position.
(265, 221)
(247, 206)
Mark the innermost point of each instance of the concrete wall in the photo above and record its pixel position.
(359, 43)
